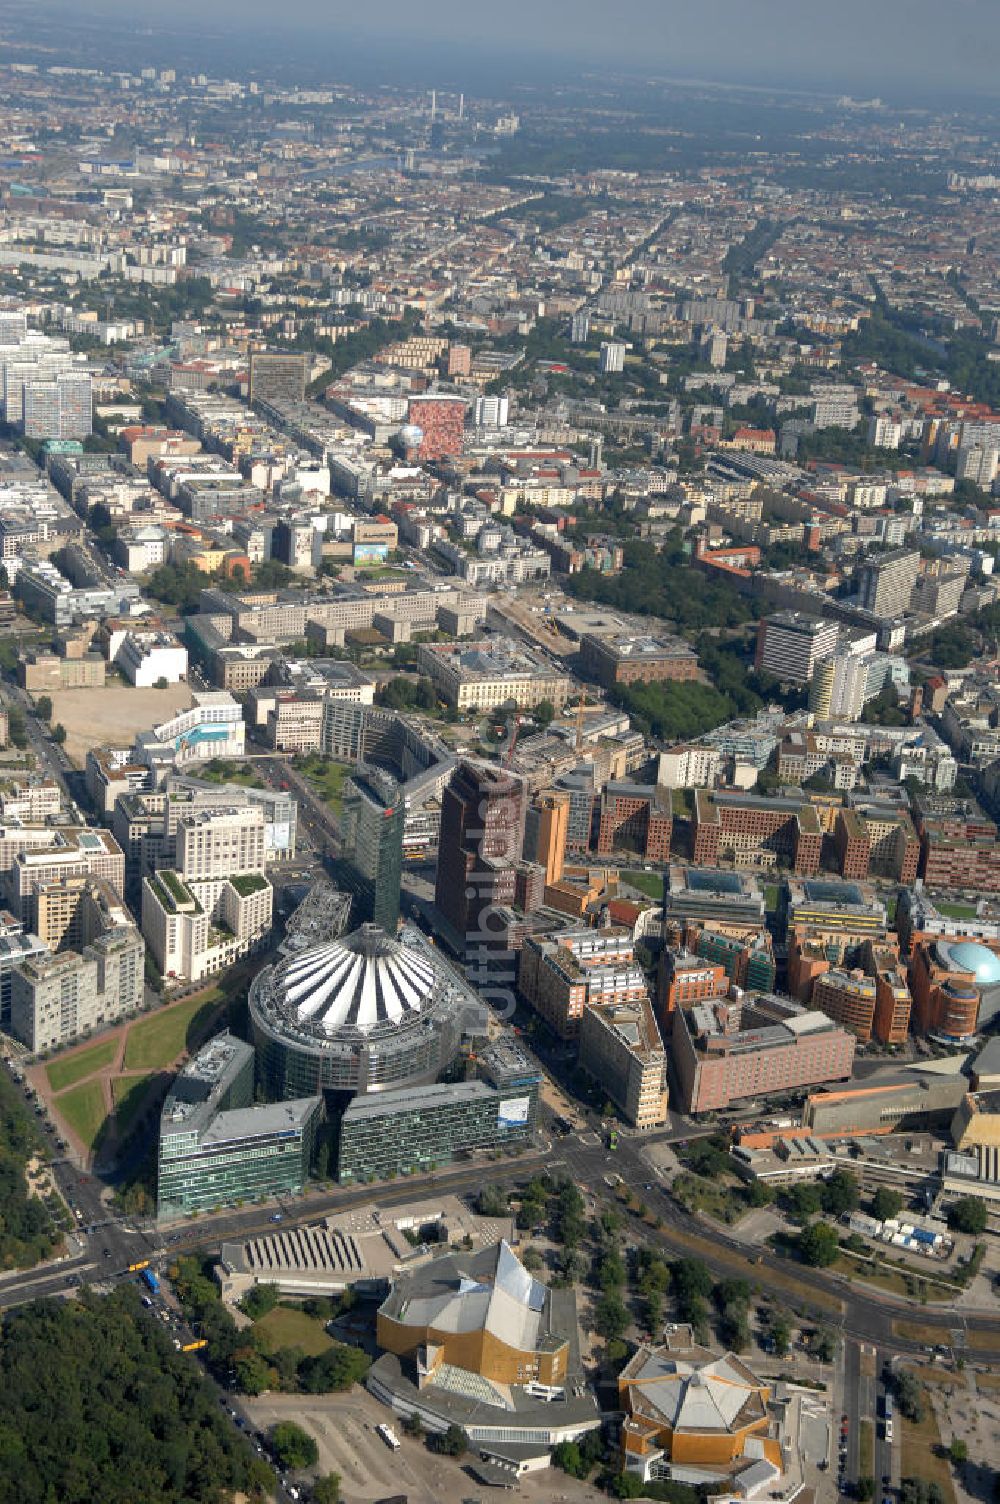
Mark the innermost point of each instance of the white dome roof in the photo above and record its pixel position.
(358, 982)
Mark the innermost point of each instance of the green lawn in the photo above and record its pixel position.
(957, 910)
(328, 779)
(771, 891)
(157, 1041)
(231, 772)
(68, 1069)
(129, 1093)
(650, 883)
(83, 1109)
(866, 1449)
(285, 1327)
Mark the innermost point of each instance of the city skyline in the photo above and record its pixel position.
(881, 47)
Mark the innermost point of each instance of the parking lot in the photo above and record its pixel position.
(343, 1426)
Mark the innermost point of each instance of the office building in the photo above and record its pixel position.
(731, 1051)
(747, 962)
(493, 673)
(423, 1127)
(55, 1000)
(684, 979)
(636, 817)
(546, 831)
(365, 1013)
(615, 660)
(219, 842)
(371, 846)
(146, 825)
(730, 903)
(959, 846)
(757, 832)
(689, 765)
(848, 997)
(562, 976)
(789, 645)
(216, 1149)
(278, 378)
(146, 658)
(482, 832)
(491, 412)
(885, 583)
(955, 986)
(621, 1048)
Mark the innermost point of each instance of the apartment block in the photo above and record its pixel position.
(57, 999)
(197, 927)
(885, 584)
(790, 644)
(70, 852)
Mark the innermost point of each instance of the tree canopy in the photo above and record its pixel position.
(93, 1396)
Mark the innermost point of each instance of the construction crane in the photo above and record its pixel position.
(583, 705)
(508, 755)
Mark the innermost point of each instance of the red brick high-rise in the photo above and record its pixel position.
(482, 832)
(441, 420)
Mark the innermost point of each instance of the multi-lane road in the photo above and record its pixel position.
(861, 1315)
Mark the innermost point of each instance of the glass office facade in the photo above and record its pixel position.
(406, 1132)
(245, 1155)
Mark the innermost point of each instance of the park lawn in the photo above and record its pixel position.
(921, 1445)
(771, 897)
(156, 1042)
(68, 1069)
(288, 1327)
(83, 1108)
(650, 883)
(129, 1093)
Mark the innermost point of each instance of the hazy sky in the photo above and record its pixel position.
(885, 46)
